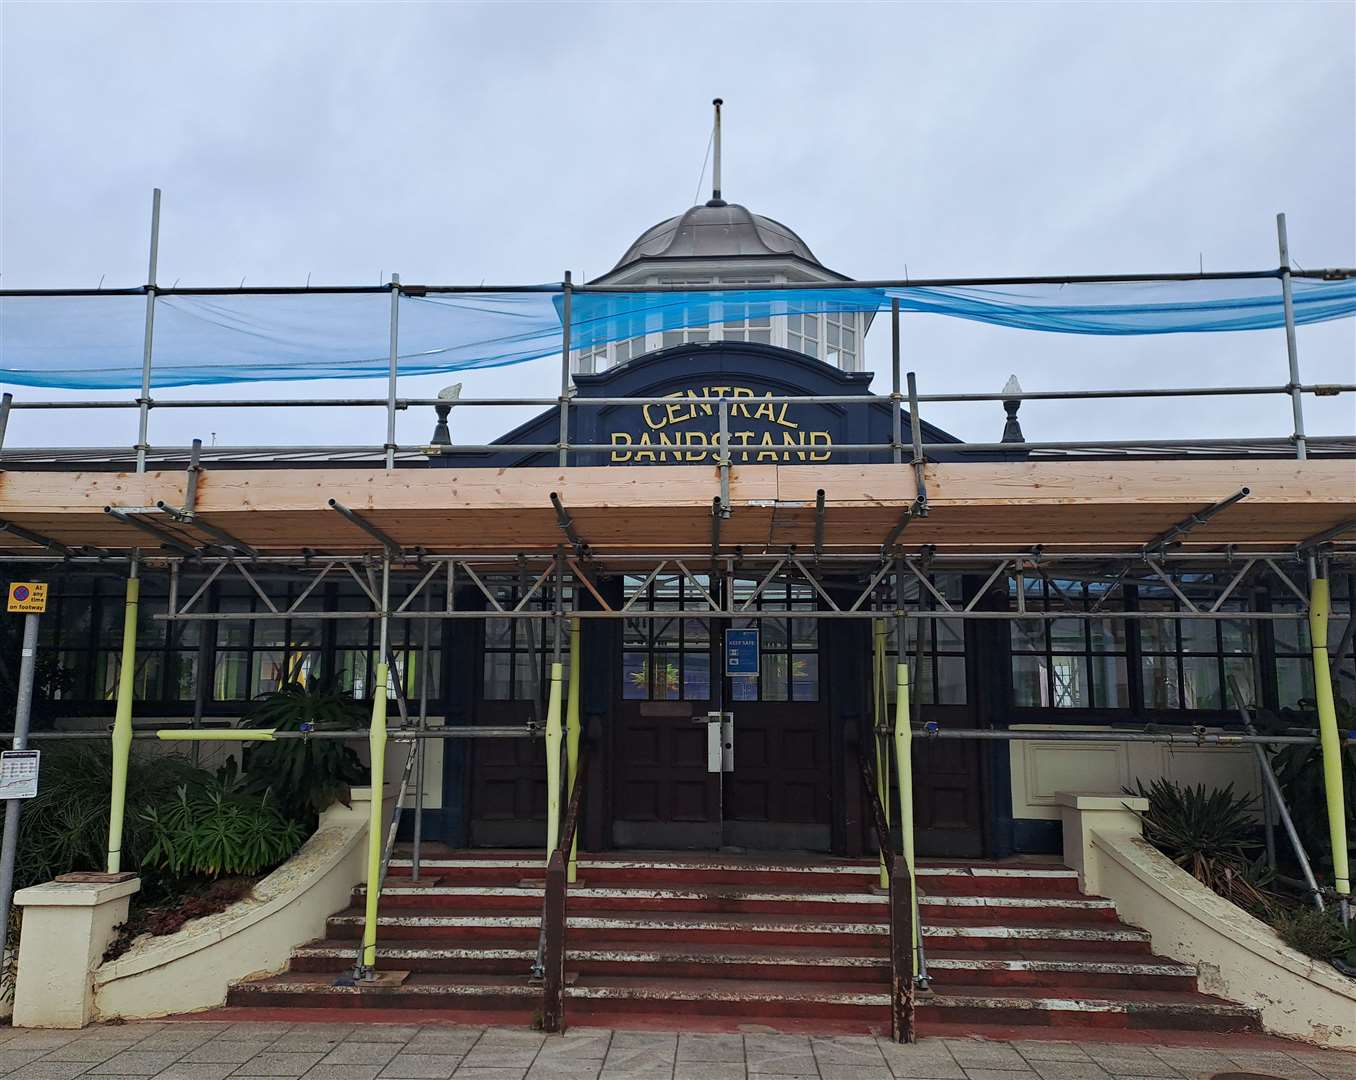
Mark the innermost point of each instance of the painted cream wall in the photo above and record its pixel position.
(1041, 770)
(193, 968)
(1238, 957)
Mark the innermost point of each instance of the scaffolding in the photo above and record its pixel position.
(861, 580)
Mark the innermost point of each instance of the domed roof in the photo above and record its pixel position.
(717, 229)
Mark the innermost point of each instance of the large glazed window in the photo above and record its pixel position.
(941, 679)
(1070, 663)
(518, 652)
(667, 659)
(789, 664)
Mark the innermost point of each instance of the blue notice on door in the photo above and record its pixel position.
(741, 652)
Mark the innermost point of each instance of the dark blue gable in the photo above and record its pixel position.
(682, 432)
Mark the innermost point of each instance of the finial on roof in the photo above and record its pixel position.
(715, 199)
(1012, 430)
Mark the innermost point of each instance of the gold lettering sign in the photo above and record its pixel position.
(667, 439)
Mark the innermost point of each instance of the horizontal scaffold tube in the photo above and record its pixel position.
(926, 731)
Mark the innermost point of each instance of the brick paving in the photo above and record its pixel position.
(189, 1050)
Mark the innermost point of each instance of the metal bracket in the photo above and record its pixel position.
(1318, 539)
(916, 509)
(1173, 536)
(819, 524)
(187, 517)
(166, 538)
(566, 523)
(34, 538)
(391, 545)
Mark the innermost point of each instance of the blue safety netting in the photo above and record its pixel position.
(96, 342)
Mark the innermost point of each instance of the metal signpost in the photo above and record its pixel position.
(19, 766)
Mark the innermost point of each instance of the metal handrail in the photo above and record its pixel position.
(551, 941)
(902, 926)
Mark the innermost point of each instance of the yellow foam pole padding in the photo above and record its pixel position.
(122, 725)
(572, 738)
(216, 735)
(553, 739)
(376, 741)
(1329, 737)
(877, 739)
(904, 768)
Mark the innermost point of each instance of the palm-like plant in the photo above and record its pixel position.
(305, 775)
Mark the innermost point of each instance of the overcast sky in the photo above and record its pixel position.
(507, 142)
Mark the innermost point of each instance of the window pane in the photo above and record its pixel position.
(231, 680)
(1158, 635)
(1200, 682)
(1110, 682)
(1240, 672)
(666, 685)
(774, 677)
(1160, 683)
(1028, 681)
(1295, 682)
(1069, 677)
(497, 671)
(350, 666)
(1108, 635)
(1066, 635)
(635, 677)
(266, 672)
(1237, 636)
(744, 688)
(697, 676)
(1028, 635)
(805, 677)
(1198, 635)
(950, 680)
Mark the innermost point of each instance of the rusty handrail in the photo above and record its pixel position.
(901, 916)
(553, 910)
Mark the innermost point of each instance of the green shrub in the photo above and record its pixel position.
(305, 775)
(1299, 771)
(65, 827)
(216, 828)
(1319, 934)
(1210, 834)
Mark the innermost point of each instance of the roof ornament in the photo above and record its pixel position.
(1012, 430)
(715, 199)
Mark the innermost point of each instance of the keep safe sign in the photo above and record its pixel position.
(28, 596)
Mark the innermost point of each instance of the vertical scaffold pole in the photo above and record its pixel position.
(1291, 349)
(1329, 737)
(904, 766)
(122, 719)
(572, 733)
(419, 751)
(392, 368)
(376, 742)
(896, 397)
(566, 315)
(877, 734)
(144, 401)
(553, 741)
(23, 710)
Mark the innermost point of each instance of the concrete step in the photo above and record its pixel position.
(591, 929)
(783, 962)
(740, 898)
(1038, 1007)
(837, 875)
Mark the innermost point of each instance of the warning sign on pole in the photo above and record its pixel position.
(18, 774)
(28, 596)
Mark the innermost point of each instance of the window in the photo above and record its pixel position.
(1068, 663)
(592, 359)
(1294, 660)
(629, 349)
(789, 664)
(840, 335)
(681, 335)
(941, 680)
(518, 652)
(746, 322)
(259, 656)
(802, 334)
(667, 659)
(1188, 663)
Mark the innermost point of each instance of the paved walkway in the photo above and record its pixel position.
(213, 1051)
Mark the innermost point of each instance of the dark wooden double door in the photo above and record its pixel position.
(776, 796)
